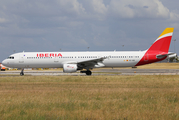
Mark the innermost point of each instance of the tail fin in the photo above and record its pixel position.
(159, 49)
(162, 43)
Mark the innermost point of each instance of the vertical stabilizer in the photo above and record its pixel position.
(162, 43)
(159, 47)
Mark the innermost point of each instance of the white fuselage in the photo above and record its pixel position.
(57, 59)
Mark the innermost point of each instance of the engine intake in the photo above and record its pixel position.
(70, 68)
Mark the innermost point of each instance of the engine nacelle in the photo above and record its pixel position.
(69, 68)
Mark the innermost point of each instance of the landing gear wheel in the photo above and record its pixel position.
(21, 74)
(88, 72)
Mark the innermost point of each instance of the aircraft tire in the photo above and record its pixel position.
(88, 72)
(21, 74)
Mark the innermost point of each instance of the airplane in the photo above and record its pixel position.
(86, 61)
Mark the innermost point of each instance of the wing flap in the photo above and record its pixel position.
(91, 63)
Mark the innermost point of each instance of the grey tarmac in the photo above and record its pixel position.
(106, 71)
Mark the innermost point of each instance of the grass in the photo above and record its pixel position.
(160, 66)
(89, 97)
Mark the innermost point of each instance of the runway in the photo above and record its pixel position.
(96, 72)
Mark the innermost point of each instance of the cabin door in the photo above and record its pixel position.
(21, 58)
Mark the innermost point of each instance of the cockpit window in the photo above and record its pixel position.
(10, 57)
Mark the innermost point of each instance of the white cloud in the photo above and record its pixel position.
(174, 16)
(162, 10)
(71, 6)
(99, 7)
(138, 8)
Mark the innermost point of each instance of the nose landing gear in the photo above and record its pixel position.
(22, 72)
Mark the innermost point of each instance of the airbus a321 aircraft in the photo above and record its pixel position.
(74, 61)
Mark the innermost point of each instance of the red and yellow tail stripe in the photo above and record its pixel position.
(167, 32)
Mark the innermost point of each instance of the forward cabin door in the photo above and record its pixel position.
(21, 58)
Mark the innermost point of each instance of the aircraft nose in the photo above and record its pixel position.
(4, 62)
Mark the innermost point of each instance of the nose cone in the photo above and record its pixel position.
(4, 62)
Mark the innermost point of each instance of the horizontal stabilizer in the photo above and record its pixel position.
(160, 56)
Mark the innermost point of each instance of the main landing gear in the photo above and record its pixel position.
(22, 72)
(88, 72)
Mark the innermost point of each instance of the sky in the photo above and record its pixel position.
(85, 25)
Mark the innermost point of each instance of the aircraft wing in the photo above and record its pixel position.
(91, 63)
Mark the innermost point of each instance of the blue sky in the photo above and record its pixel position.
(75, 25)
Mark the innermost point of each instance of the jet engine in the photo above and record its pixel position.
(69, 68)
